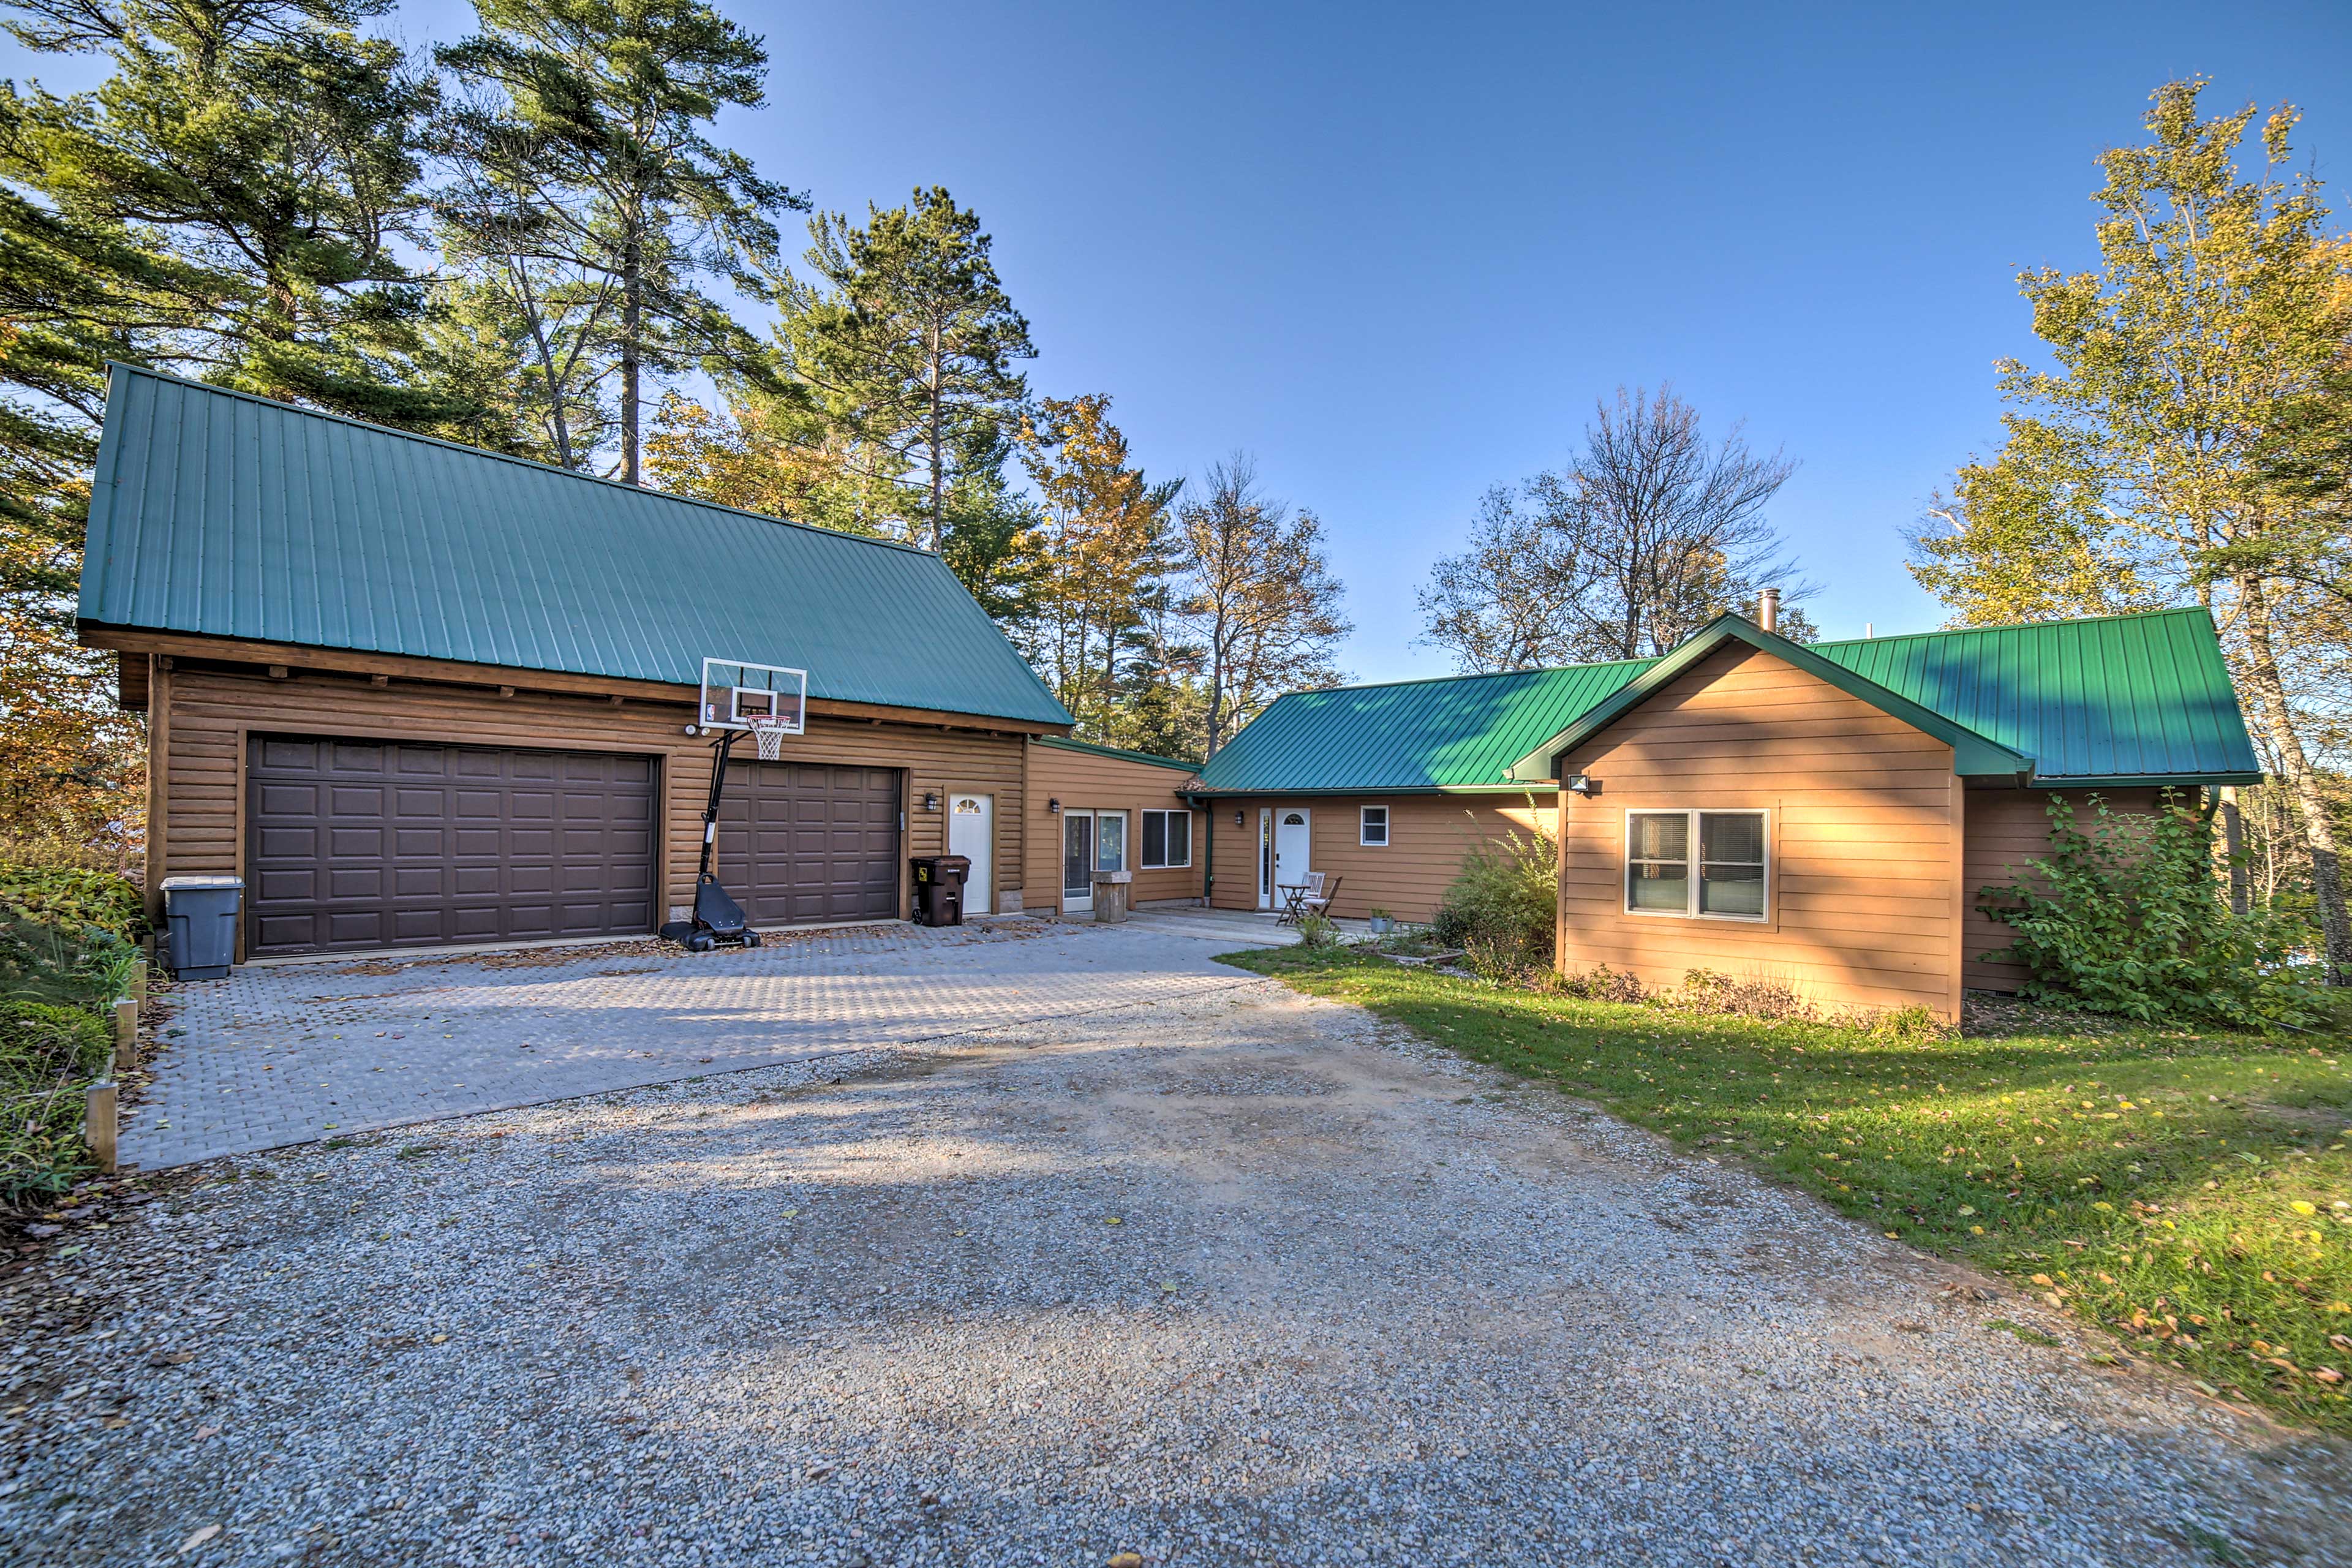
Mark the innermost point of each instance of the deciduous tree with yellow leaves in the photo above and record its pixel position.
(2141, 463)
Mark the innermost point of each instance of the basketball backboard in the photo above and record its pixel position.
(734, 691)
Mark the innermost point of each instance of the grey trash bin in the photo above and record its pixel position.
(200, 925)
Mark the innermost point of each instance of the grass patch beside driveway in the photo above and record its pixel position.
(2190, 1193)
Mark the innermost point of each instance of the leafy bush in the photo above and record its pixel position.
(1319, 930)
(45, 1055)
(1502, 907)
(73, 897)
(85, 967)
(2127, 918)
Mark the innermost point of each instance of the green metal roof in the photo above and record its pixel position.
(2113, 700)
(1409, 737)
(2118, 699)
(1062, 742)
(223, 514)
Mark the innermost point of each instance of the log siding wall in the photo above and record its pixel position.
(1867, 829)
(1084, 781)
(202, 713)
(1429, 836)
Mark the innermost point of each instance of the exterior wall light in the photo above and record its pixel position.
(1238, 817)
(930, 801)
(1054, 807)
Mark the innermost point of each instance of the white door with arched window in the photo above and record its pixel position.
(971, 833)
(1285, 842)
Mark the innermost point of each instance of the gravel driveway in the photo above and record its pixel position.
(1236, 1278)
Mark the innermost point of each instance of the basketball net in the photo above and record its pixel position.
(769, 731)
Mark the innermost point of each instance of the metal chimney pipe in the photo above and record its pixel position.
(1767, 609)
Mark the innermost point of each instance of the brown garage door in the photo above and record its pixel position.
(360, 844)
(799, 843)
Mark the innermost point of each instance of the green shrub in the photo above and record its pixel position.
(1502, 908)
(2127, 918)
(82, 966)
(73, 897)
(46, 1054)
(1319, 930)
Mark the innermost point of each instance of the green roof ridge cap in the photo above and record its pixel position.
(1972, 754)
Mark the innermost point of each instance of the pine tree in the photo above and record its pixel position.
(592, 195)
(907, 341)
(258, 160)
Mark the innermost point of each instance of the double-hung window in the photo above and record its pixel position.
(1696, 863)
(1167, 841)
(1372, 827)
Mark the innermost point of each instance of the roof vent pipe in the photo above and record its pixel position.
(1767, 609)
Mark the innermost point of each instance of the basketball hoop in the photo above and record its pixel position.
(769, 730)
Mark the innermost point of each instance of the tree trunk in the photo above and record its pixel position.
(633, 316)
(2233, 846)
(2303, 784)
(939, 460)
(1217, 681)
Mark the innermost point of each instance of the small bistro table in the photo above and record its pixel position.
(1294, 901)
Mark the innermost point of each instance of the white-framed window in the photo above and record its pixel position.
(1372, 827)
(1711, 865)
(1167, 841)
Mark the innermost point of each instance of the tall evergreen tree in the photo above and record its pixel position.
(907, 340)
(256, 160)
(229, 204)
(587, 164)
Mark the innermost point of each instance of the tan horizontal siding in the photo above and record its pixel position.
(1864, 849)
(2009, 829)
(1087, 781)
(1429, 837)
(212, 709)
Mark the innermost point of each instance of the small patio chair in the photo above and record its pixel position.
(1317, 901)
(1297, 895)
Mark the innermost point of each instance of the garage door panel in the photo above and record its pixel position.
(803, 842)
(354, 844)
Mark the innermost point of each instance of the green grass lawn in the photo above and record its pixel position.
(2189, 1192)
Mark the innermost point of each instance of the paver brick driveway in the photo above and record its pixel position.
(288, 1054)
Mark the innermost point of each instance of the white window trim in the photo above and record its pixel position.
(1184, 864)
(1388, 827)
(1690, 911)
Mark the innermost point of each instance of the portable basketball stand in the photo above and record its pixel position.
(736, 697)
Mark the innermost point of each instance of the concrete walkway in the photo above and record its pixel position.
(286, 1054)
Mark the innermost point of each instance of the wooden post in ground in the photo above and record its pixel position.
(126, 1035)
(138, 979)
(98, 1124)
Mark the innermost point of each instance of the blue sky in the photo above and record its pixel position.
(1397, 252)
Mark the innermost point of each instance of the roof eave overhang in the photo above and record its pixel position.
(2142, 781)
(115, 636)
(1973, 756)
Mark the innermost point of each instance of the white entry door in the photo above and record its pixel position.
(971, 833)
(1293, 834)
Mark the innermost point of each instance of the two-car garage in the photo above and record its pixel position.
(417, 695)
(360, 843)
